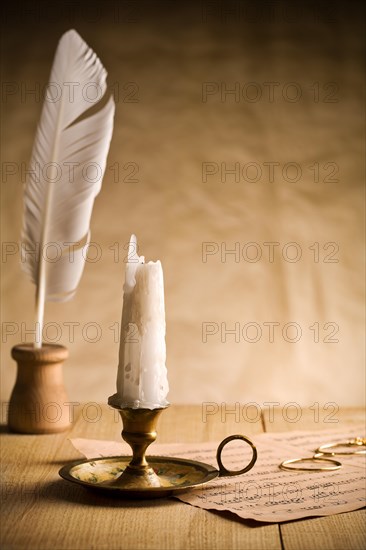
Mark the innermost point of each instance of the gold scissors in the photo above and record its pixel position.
(324, 451)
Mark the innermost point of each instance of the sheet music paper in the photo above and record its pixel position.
(265, 493)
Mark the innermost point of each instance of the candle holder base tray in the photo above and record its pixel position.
(138, 478)
(106, 475)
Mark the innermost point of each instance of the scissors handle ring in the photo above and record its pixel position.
(335, 465)
(357, 442)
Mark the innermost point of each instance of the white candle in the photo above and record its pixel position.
(142, 375)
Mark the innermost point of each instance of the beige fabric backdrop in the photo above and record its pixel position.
(162, 56)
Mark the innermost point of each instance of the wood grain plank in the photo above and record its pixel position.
(42, 511)
(338, 532)
(314, 418)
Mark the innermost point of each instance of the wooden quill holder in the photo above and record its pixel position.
(38, 403)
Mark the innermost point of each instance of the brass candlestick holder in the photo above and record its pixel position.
(139, 431)
(159, 476)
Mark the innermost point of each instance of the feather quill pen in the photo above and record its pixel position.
(65, 175)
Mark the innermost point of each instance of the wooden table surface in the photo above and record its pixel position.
(42, 511)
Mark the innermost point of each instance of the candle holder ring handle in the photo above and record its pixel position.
(224, 471)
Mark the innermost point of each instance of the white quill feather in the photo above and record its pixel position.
(66, 170)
